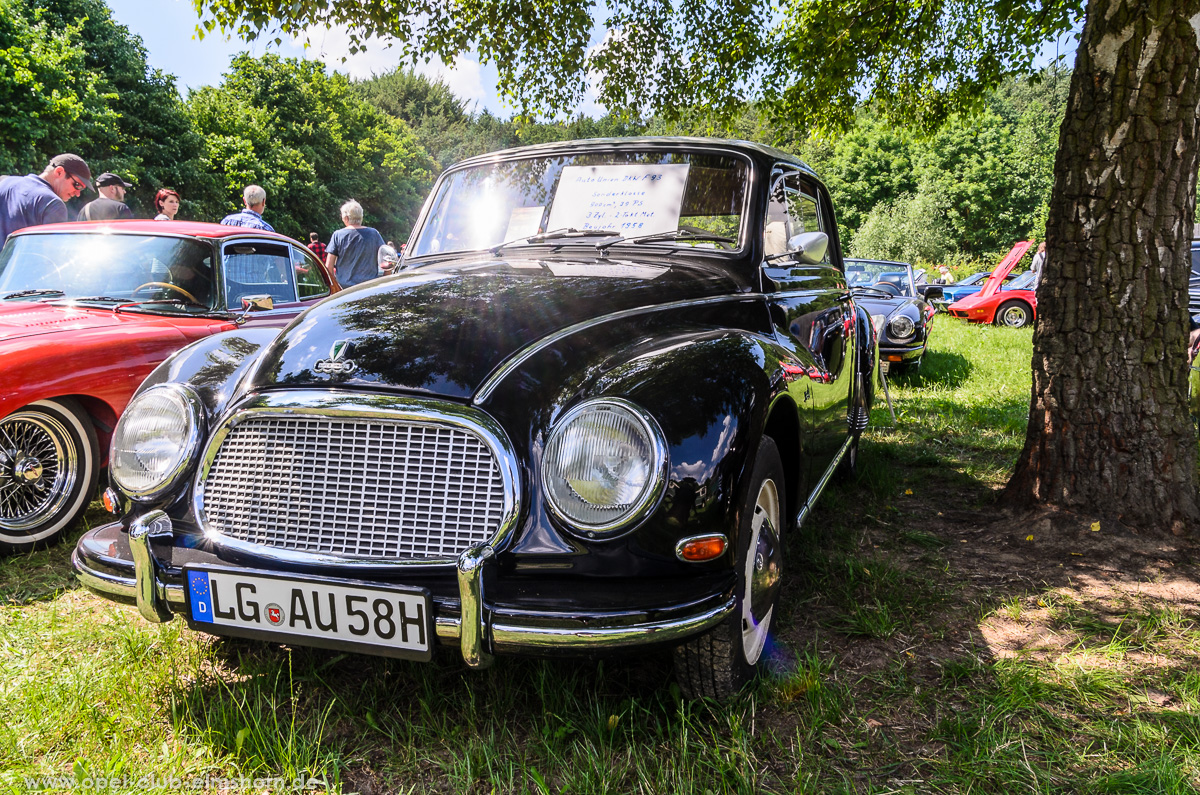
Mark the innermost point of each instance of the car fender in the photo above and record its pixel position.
(709, 390)
(213, 366)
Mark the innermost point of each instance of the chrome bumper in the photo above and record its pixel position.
(478, 631)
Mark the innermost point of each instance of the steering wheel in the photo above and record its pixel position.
(167, 285)
(887, 287)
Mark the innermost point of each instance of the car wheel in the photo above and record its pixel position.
(1014, 314)
(48, 469)
(717, 664)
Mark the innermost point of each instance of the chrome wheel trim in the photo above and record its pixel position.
(1014, 317)
(39, 467)
(763, 567)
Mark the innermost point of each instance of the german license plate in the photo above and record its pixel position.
(394, 621)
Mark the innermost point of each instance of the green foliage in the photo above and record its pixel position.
(47, 95)
(450, 132)
(912, 228)
(312, 142)
(142, 131)
(814, 60)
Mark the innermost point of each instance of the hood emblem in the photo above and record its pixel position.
(338, 361)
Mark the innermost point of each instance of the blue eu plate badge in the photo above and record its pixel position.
(200, 596)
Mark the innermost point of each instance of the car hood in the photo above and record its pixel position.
(30, 319)
(886, 306)
(441, 330)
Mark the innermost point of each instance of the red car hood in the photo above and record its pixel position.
(21, 319)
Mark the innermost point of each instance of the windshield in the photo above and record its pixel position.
(670, 198)
(109, 268)
(893, 277)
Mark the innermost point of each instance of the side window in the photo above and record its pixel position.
(792, 209)
(775, 231)
(258, 268)
(309, 283)
(1196, 262)
(804, 213)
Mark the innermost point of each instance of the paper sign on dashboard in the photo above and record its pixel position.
(630, 199)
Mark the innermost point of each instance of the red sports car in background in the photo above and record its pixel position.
(87, 310)
(1013, 305)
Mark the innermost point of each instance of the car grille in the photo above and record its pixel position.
(355, 488)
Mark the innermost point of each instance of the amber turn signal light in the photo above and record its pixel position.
(111, 504)
(701, 548)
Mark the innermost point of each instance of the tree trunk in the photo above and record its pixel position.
(1109, 433)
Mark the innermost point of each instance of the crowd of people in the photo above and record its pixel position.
(355, 253)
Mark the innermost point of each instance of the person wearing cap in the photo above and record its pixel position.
(36, 199)
(111, 204)
(255, 199)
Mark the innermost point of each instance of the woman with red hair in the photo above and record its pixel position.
(166, 201)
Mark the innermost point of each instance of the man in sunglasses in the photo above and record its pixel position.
(41, 198)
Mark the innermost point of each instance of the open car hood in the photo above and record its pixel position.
(441, 330)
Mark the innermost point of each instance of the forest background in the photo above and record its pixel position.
(73, 80)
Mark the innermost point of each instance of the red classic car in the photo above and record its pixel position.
(1013, 305)
(87, 310)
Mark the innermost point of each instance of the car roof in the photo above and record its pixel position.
(197, 229)
(759, 152)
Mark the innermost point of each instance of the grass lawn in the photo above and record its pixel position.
(927, 643)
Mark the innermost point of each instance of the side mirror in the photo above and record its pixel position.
(931, 292)
(809, 247)
(254, 303)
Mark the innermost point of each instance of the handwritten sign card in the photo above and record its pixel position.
(630, 199)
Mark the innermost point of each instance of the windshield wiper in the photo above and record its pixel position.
(554, 234)
(99, 298)
(38, 291)
(176, 301)
(677, 234)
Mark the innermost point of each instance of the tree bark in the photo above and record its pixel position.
(1109, 432)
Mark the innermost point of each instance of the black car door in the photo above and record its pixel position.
(812, 312)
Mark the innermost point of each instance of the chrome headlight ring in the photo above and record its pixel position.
(901, 328)
(156, 441)
(604, 468)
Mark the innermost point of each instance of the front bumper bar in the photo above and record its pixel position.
(481, 629)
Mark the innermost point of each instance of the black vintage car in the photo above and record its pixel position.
(900, 304)
(610, 380)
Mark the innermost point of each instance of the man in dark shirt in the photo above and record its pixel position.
(353, 250)
(316, 246)
(36, 199)
(111, 204)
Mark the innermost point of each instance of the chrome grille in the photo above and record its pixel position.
(359, 488)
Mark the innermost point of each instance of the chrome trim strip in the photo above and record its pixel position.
(683, 541)
(648, 500)
(472, 633)
(146, 592)
(513, 362)
(122, 587)
(806, 509)
(512, 637)
(330, 403)
(191, 446)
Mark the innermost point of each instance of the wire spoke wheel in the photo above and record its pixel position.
(39, 468)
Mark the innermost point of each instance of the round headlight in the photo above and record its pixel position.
(604, 467)
(155, 439)
(900, 327)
